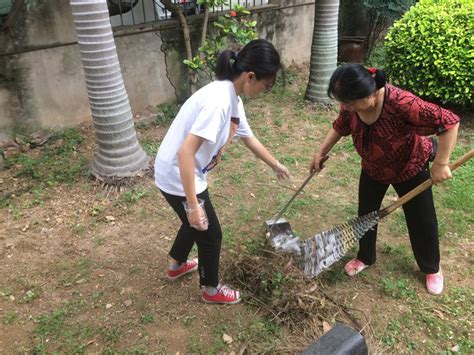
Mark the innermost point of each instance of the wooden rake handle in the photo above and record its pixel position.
(423, 186)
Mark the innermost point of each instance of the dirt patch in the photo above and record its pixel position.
(83, 268)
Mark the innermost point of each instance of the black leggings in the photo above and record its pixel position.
(420, 216)
(208, 242)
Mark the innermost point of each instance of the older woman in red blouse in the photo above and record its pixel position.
(390, 128)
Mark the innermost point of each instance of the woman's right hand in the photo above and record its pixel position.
(197, 218)
(318, 162)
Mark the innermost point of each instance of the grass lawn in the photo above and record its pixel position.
(82, 268)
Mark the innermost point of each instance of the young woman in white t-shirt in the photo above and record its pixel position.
(194, 144)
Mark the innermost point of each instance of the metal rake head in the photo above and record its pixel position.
(324, 249)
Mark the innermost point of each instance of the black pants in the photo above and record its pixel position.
(208, 242)
(420, 216)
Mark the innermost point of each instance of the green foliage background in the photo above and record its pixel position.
(430, 51)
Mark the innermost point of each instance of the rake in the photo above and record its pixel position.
(319, 252)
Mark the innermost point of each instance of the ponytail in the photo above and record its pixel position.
(353, 82)
(380, 79)
(227, 67)
(258, 56)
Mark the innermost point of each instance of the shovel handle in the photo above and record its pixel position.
(424, 185)
(279, 214)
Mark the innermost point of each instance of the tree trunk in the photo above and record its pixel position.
(176, 10)
(204, 25)
(11, 19)
(118, 153)
(323, 50)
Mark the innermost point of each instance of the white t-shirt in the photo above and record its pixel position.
(206, 114)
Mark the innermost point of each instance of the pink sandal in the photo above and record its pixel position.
(435, 283)
(354, 266)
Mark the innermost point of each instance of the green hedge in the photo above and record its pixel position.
(430, 51)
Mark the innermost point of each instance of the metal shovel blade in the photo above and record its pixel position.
(281, 226)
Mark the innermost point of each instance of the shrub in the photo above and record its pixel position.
(430, 51)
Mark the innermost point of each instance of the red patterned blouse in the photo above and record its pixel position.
(395, 147)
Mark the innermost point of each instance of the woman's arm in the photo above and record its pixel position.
(186, 154)
(332, 137)
(447, 140)
(257, 148)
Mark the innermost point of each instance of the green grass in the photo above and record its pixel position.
(168, 112)
(71, 273)
(151, 148)
(443, 321)
(69, 336)
(112, 335)
(398, 288)
(54, 165)
(148, 318)
(10, 317)
(455, 198)
(262, 332)
(245, 193)
(133, 195)
(59, 162)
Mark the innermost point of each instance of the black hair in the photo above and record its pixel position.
(353, 81)
(258, 56)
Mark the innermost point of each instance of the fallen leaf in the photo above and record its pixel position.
(439, 313)
(227, 339)
(326, 327)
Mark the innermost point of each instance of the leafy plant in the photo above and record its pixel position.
(430, 51)
(168, 112)
(148, 318)
(133, 195)
(233, 28)
(9, 318)
(398, 288)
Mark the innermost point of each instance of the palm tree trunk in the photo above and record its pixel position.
(323, 49)
(118, 152)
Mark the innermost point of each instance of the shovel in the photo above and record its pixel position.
(278, 227)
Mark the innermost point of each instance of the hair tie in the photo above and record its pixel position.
(372, 70)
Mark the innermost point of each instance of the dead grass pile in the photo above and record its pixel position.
(283, 293)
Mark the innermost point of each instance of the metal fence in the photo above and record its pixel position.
(135, 12)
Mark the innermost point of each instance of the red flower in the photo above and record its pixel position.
(233, 13)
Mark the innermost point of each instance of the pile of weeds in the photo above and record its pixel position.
(283, 293)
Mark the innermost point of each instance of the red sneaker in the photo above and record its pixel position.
(185, 268)
(224, 295)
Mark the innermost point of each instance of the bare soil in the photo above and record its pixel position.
(83, 268)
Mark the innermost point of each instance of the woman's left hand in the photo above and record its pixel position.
(440, 172)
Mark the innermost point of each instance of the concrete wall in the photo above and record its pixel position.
(290, 28)
(42, 80)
